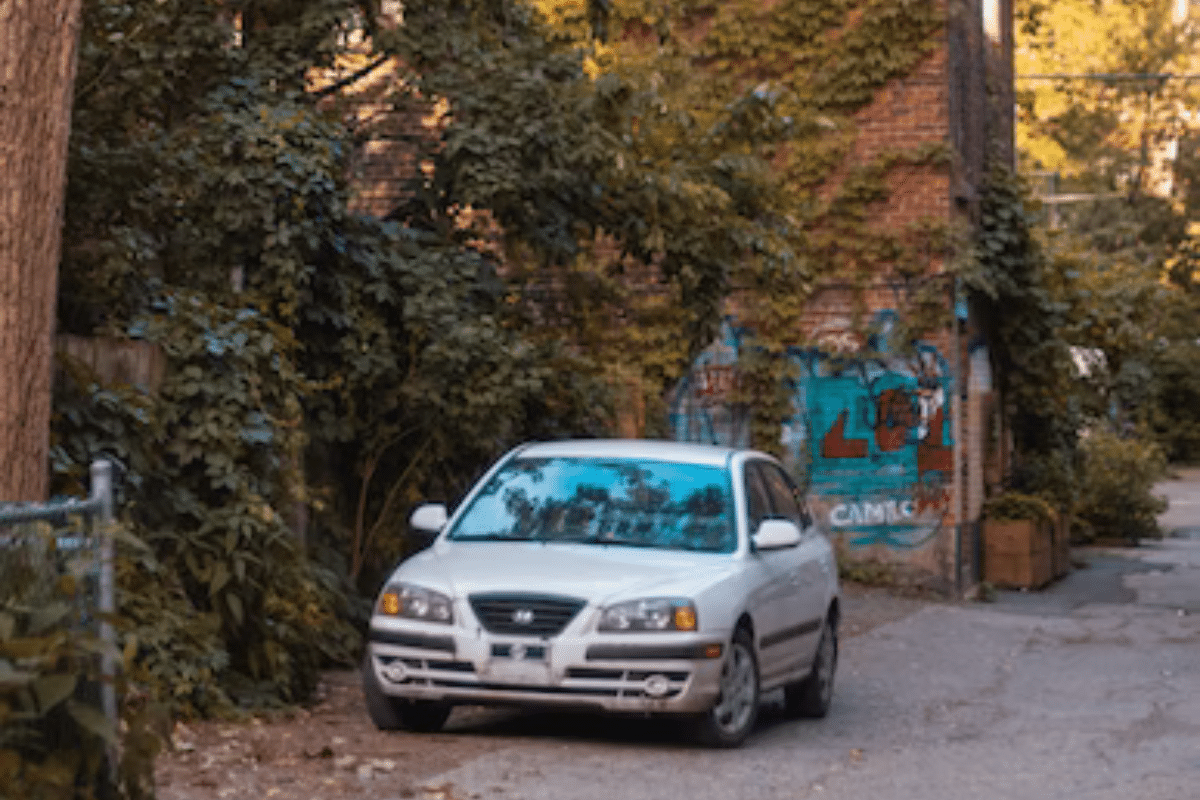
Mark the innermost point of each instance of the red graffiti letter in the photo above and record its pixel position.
(895, 417)
(836, 445)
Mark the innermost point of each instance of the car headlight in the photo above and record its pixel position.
(415, 602)
(650, 614)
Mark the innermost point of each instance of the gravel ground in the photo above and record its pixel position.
(330, 751)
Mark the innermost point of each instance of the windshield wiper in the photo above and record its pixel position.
(611, 540)
(489, 537)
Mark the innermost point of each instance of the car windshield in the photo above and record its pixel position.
(607, 501)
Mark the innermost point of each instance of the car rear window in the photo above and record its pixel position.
(636, 503)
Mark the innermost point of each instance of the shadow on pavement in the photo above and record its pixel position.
(1100, 579)
(562, 727)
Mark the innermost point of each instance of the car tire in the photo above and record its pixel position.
(730, 720)
(813, 695)
(424, 716)
(393, 714)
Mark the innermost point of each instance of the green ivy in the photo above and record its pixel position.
(55, 739)
(319, 360)
(730, 178)
(1012, 288)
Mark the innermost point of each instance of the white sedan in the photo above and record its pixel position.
(622, 576)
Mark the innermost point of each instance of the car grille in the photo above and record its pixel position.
(525, 614)
(578, 682)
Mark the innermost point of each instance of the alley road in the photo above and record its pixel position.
(1089, 690)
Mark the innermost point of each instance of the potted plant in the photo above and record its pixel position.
(1018, 541)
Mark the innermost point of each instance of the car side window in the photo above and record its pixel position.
(758, 501)
(781, 493)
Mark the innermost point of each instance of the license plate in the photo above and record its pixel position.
(519, 664)
(519, 673)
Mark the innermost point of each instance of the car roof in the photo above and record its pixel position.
(648, 449)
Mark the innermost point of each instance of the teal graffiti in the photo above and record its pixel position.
(874, 431)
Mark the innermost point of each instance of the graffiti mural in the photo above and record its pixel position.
(702, 409)
(873, 433)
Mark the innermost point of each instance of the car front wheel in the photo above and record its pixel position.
(729, 722)
(812, 696)
(393, 714)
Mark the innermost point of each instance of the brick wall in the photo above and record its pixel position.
(888, 444)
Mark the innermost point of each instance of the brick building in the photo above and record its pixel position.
(897, 447)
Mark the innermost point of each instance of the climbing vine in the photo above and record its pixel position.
(1013, 287)
(633, 172)
(767, 138)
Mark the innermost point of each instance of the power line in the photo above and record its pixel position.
(1108, 76)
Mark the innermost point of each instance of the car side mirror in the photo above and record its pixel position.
(776, 534)
(429, 518)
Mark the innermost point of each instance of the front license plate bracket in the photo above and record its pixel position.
(519, 665)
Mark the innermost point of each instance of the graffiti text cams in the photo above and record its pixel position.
(856, 515)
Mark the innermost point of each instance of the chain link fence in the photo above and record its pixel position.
(56, 587)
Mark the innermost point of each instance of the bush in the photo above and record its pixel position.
(1175, 416)
(219, 604)
(55, 739)
(1017, 506)
(178, 657)
(1116, 484)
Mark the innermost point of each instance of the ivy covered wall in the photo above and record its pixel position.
(874, 383)
(857, 131)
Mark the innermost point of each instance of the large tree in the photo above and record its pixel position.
(37, 71)
(1105, 109)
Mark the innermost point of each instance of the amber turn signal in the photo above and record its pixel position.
(685, 618)
(712, 651)
(389, 603)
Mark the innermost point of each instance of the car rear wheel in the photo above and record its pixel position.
(729, 722)
(812, 696)
(393, 714)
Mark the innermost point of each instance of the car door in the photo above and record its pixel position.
(804, 611)
(778, 579)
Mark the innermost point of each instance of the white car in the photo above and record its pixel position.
(624, 576)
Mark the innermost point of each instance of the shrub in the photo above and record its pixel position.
(178, 657)
(219, 605)
(1175, 416)
(1016, 506)
(55, 739)
(1116, 485)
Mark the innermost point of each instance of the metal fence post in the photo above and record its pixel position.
(102, 495)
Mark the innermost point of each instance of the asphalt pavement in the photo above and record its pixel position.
(1089, 689)
(1161, 573)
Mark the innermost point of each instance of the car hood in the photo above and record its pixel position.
(595, 572)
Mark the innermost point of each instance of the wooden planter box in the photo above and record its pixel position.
(1018, 554)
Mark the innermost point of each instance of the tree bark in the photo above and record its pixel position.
(38, 41)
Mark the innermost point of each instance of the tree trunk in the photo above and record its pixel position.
(38, 40)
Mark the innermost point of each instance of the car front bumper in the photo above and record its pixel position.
(676, 673)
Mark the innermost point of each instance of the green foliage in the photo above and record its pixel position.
(1109, 263)
(178, 657)
(1128, 142)
(1102, 134)
(585, 213)
(313, 359)
(425, 380)
(1175, 358)
(1115, 498)
(202, 478)
(54, 736)
(743, 180)
(1175, 415)
(890, 39)
(1010, 506)
(1012, 286)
